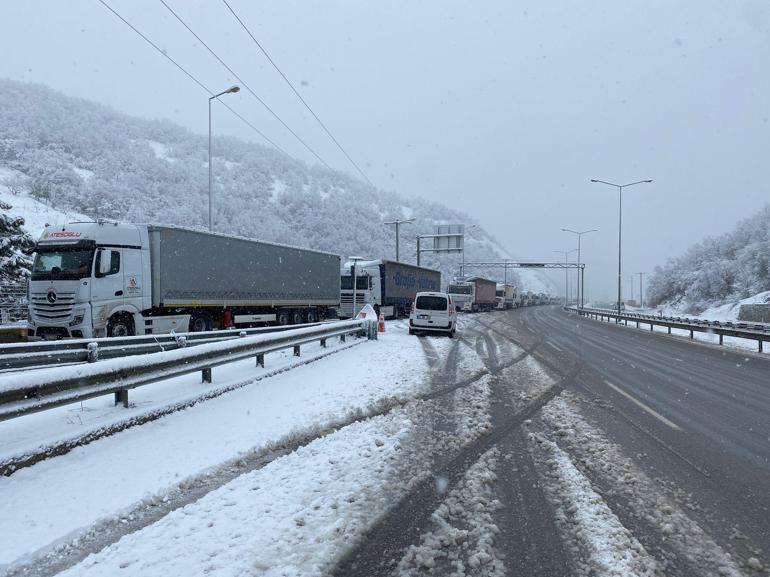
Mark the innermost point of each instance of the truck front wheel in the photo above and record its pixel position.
(121, 325)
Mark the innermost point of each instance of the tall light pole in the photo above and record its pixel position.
(398, 223)
(580, 296)
(620, 188)
(566, 253)
(641, 290)
(232, 89)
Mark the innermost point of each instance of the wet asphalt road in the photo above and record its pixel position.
(692, 419)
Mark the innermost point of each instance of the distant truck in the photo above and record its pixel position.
(389, 286)
(94, 279)
(506, 298)
(473, 294)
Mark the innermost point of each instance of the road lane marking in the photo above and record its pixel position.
(556, 347)
(651, 411)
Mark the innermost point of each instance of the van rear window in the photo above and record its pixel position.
(430, 303)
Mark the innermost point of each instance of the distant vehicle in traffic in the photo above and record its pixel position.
(473, 294)
(433, 312)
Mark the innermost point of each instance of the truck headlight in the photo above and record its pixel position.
(78, 319)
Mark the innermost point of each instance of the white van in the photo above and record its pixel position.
(433, 312)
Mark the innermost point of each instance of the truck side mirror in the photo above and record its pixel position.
(104, 263)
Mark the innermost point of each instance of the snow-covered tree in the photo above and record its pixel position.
(15, 264)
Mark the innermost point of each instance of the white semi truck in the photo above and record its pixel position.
(507, 297)
(92, 279)
(389, 286)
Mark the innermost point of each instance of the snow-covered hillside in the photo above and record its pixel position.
(68, 157)
(718, 271)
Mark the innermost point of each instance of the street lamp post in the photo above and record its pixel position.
(232, 89)
(580, 295)
(398, 223)
(620, 188)
(641, 290)
(566, 253)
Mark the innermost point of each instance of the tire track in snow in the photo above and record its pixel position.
(682, 547)
(405, 521)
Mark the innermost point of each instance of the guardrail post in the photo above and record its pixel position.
(296, 350)
(760, 345)
(637, 324)
(121, 396)
(669, 331)
(652, 326)
(206, 375)
(691, 333)
(93, 352)
(261, 360)
(342, 338)
(721, 338)
(323, 343)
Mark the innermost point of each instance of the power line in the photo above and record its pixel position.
(243, 82)
(361, 172)
(190, 76)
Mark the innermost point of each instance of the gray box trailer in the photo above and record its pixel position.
(200, 269)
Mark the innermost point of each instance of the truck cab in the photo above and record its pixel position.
(462, 295)
(88, 280)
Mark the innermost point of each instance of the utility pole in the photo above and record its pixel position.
(398, 224)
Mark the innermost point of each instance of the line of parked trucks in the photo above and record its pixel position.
(92, 279)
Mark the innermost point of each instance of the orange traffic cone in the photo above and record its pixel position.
(381, 324)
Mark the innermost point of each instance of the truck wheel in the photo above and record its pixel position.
(199, 322)
(282, 318)
(296, 318)
(120, 325)
(311, 316)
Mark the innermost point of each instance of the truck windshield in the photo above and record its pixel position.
(501, 293)
(459, 289)
(62, 263)
(362, 283)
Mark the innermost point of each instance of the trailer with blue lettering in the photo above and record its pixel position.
(389, 286)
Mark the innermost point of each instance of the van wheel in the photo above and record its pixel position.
(121, 325)
(451, 334)
(411, 332)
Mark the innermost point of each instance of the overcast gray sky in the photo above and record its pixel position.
(502, 109)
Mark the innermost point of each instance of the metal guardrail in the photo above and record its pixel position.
(759, 332)
(52, 387)
(43, 353)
